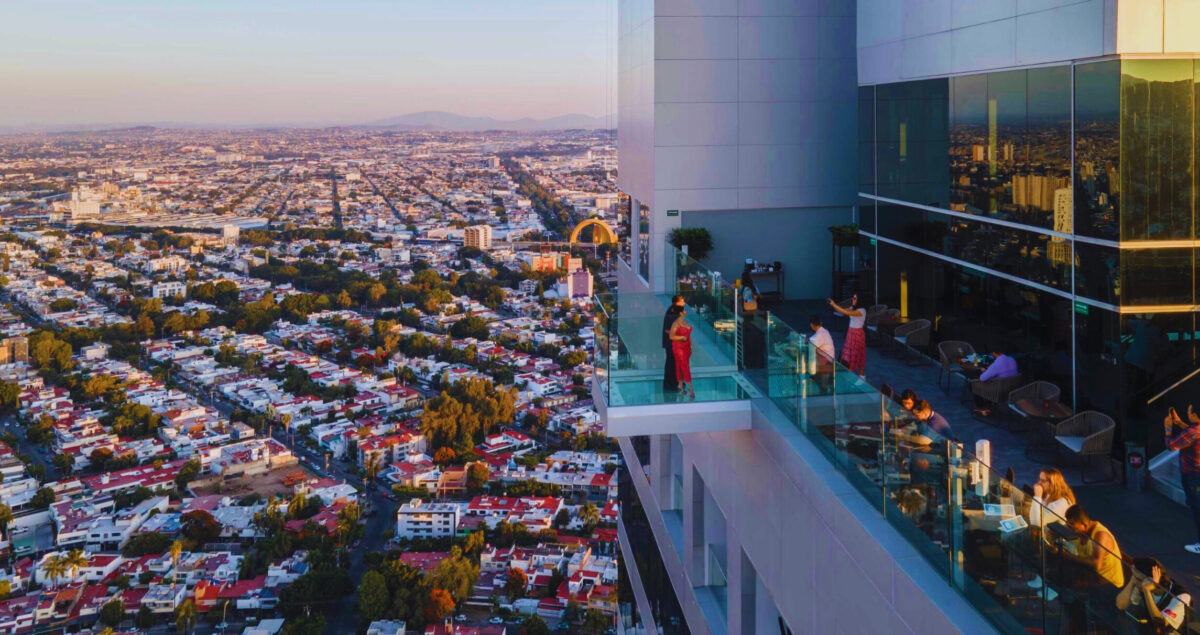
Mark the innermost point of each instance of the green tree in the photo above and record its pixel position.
(477, 476)
(187, 473)
(113, 612)
(145, 618)
(6, 517)
(590, 516)
(455, 574)
(373, 597)
(185, 615)
(43, 498)
(535, 625)
(10, 394)
(595, 622)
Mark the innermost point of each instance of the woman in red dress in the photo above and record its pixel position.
(854, 350)
(681, 345)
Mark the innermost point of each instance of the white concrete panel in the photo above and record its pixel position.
(776, 165)
(927, 55)
(695, 124)
(697, 199)
(760, 197)
(924, 17)
(779, 7)
(985, 46)
(972, 12)
(695, 38)
(777, 80)
(879, 21)
(695, 80)
(1140, 26)
(1182, 26)
(880, 64)
(707, 167)
(777, 122)
(834, 34)
(695, 7)
(1069, 32)
(778, 37)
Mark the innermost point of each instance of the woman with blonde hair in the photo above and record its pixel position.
(1052, 492)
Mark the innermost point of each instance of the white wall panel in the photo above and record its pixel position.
(696, 124)
(695, 80)
(695, 38)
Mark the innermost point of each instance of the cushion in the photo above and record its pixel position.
(1074, 444)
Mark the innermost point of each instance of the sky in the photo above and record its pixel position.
(301, 61)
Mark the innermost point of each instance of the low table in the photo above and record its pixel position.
(1045, 416)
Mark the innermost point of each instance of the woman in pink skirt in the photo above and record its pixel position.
(854, 351)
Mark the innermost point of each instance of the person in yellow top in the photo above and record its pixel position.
(1098, 549)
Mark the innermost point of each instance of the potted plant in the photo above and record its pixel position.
(698, 241)
(844, 235)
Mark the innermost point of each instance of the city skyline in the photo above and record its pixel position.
(312, 64)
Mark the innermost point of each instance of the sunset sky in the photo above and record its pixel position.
(300, 61)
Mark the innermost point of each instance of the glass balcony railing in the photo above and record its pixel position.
(1015, 560)
(1012, 558)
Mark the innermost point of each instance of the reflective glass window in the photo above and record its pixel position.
(866, 139)
(1098, 272)
(1046, 198)
(1156, 276)
(1157, 114)
(1097, 149)
(866, 214)
(644, 241)
(912, 141)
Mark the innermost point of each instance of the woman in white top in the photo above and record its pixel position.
(1052, 497)
(854, 351)
(1052, 493)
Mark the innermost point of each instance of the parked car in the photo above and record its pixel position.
(496, 620)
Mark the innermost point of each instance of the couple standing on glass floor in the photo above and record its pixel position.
(677, 340)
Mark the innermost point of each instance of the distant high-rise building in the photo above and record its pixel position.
(478, 236)
(230, 234)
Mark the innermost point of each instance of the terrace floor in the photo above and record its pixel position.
(1144, 523)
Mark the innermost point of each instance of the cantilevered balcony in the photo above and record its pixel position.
(734, 359)
(630, 361)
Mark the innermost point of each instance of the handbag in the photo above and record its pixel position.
(749, 302)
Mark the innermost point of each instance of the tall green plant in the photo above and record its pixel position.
(698, 241)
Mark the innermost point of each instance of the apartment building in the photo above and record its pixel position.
(418, 519)
(478, 236)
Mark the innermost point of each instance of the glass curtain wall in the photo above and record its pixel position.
(1076, 243)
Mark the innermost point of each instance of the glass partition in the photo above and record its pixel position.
(1013, 558)
(631, 352)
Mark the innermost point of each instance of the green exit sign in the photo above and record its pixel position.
(1081, 308)
(672, 212)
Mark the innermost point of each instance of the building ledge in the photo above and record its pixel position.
(678, 416)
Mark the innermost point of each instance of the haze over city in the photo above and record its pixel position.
(301, 63)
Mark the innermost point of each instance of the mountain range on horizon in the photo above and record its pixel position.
(424, 120)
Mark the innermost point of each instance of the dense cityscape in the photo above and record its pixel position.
(303, 381)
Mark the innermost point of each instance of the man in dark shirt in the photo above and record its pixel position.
(670, 381)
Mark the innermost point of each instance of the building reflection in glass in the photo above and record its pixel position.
(1097, 149)
(1010, 146)
(1009, 157)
